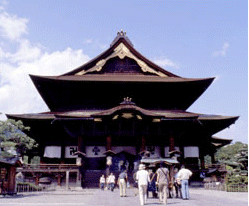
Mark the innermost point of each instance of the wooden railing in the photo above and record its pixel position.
(48, 167)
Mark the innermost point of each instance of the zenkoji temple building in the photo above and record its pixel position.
(121, 103)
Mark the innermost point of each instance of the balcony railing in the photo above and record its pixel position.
(48, 167)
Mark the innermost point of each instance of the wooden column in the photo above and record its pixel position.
(11, 179)
(108, 143)
(171, 148)
(202, 160)
(82, 169)
(59, 179)
(67, 179)
(171, 142)
(143, 143)
(37, 177)
(80, 144)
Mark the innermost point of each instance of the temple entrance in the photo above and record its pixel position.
(123, 160)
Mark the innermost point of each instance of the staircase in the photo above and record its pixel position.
(92, 177)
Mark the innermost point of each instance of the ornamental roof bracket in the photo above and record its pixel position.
(121, 51)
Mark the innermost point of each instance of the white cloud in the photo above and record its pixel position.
(165, 62)
(21, 58)
(223, 52)
(12, 27)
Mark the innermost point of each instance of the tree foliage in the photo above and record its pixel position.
(13, 139)
(229, 152)
(235, 156)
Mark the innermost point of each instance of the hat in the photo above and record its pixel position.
(141, 167)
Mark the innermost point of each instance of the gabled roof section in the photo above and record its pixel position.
(122, 50)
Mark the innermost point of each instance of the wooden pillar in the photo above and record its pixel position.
(36, 179)
(11, 179)
(78, 179)
(202, 160)
(80, 144)
(67, 179)
(171, 142)
(143, 143)
(59, 179)
(82, 169)
(108, 143)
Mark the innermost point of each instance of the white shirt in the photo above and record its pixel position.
(111, 179)
(184, 174)
(143, 177)
(102, 180)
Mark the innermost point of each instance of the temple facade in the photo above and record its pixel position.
(120, 105)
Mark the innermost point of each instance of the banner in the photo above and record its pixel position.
(191, 152)
(52, 152)
(95, 151)
(166, 151)
(70, 150)
(154, 151)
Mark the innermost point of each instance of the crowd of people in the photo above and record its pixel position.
(157, 181)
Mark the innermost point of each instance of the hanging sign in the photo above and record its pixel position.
(70, 150)
(166, 151)
(191, 152)
(95, 151)
(52, 152)
(154, 151)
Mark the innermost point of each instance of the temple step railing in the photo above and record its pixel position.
(47, 167)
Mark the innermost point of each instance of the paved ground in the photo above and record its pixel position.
(96, 197)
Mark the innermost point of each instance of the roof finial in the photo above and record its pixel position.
(121, 33)
(127, 100)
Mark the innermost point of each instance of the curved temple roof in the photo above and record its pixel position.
(93, 91)
(124, 68)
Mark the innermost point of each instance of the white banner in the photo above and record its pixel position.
(154, 151)
(95, 151)
(191, 152)
(166, 150)
(52, 152)
(70, 150)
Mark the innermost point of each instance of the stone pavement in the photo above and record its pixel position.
(97, 197)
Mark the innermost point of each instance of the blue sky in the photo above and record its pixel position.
(196, 39)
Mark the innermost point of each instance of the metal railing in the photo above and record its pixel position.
(34, 188)
(224, 187)
(48, 167)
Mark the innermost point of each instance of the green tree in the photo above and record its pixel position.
(13, 140)
(228, 152)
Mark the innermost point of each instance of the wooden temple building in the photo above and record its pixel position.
(120, 104)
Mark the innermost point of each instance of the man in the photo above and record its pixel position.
(122, 183)
(102, 182)
(111, 181)
(142, 177)
(177, 184)
(162, 181)
(184, 175)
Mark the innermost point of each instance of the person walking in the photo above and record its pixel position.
(111, 180)
(152, 185)
(184, 175)
(122, 183)
(162, 181)
(102, 182)
(142, 176)
(177, 184)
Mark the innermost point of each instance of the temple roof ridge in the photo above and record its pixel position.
(121, 34)
(122, 48)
